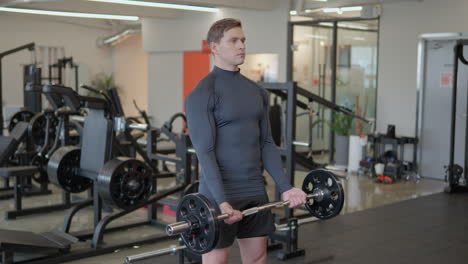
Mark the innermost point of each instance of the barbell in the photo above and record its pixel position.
(198, 218)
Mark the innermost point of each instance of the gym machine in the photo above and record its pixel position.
(28, 98)
(42, 136)
(60, 66)
(32, 82)
(120, 182)
(282, 91)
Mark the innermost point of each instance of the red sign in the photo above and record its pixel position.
(446, 79)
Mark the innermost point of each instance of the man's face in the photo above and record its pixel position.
(231, 47)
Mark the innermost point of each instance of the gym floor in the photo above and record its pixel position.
(361, 193)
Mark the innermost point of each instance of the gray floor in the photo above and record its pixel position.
(361, 193)
(428, 230)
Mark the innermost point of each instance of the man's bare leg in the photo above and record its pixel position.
(216, 256)
(253, 250)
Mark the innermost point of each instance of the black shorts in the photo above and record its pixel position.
(256, 225)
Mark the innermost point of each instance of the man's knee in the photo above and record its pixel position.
(258, 257)
(220, 255)
(253, 250)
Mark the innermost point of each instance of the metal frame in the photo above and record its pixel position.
(288, 149)
(97, 248)
(30, 47)
(62, 63)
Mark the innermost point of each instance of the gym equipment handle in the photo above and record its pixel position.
(142, 127)
(183, 226)
(152, 254)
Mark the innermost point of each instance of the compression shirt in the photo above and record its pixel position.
(228, 122)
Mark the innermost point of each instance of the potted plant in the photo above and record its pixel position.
(102, 82)
(341, 126)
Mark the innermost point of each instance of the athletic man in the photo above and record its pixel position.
(229, 126)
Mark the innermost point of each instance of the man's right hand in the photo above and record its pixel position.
(234, 215)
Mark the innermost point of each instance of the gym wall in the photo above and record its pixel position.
(78, 40)
(166, 40)
(400, 25)
(130, 69)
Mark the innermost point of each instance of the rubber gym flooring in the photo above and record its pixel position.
(371, 228)
(430, 229)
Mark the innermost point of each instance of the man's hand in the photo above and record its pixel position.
(234, 215)
(295, 196)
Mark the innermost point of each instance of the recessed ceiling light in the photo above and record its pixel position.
(340, 10)
(161, 5)
(67, 14)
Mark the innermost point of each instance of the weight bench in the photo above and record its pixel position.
(12, 241)
(8, 147)
(23, 177)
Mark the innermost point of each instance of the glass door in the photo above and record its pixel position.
(312, 46)
(337, 61)
(356, 71)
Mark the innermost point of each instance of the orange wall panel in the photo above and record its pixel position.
(196, 66)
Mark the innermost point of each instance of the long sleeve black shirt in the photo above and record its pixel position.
(228, 124)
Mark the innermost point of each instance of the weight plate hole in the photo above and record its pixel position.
(183, 211)
(317, 179)
(202, 242)
(191, 241)
(334, 196)
(192, 204)
(329, 182)
(206, 229)
(310, 187)
(202, 212)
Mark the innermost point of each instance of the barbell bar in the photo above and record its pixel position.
(183, 226)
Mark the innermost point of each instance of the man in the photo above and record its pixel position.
(228, 122)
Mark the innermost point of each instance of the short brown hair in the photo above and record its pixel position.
(218, 28)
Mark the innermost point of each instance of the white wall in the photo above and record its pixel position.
(130, 68)
(165, 40)
(164, 86)
(401, 24)
(79, 41)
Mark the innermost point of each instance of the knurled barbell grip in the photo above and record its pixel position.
(256, 209)
(268, 206)
(183, 226)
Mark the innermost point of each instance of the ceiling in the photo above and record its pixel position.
(340, 3)
(119, 9)
(85, 6)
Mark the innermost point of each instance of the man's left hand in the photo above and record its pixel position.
(295, 196)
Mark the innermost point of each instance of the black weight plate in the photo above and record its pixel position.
(201, 214)
(124, 182)
(63, 170)
(20, 116)
(331, 203)
(457, 170)
(37, 131)
(41, 163)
